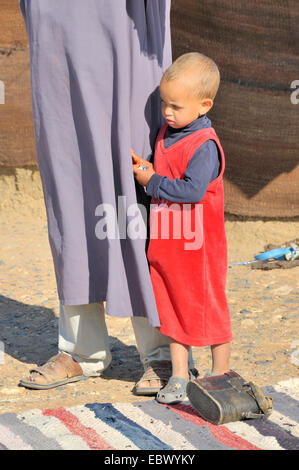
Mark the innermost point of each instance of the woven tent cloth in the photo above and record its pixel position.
(255, 45)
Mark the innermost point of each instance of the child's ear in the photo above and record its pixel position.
(205, 105)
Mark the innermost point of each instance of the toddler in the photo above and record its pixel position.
(186, 186)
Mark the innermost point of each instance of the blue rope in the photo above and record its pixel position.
(278, 253)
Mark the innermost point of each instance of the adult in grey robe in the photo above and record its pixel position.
(95, 71)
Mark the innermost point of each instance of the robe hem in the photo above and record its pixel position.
(127, 315)
(81, 301)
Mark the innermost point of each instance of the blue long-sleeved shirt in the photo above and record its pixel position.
(203, 167)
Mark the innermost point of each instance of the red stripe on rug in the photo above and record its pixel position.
(221, 433)
(89, 435)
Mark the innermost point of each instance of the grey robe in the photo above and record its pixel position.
(95, 71)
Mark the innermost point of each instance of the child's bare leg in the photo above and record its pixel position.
(220, 358)
(175, 390)
(179, 358)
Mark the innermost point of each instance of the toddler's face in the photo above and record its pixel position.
(179, 107)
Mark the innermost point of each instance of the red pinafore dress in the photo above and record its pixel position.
(188, 251)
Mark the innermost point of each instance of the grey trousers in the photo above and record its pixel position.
(83, 334)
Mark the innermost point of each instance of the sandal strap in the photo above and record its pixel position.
(59, 367)
(156, 370)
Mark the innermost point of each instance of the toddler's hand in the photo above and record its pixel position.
(138, 160)
(143, 170)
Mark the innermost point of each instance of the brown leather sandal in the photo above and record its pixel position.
(155, 370)
(59, 370)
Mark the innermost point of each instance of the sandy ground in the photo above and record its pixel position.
(264, 309)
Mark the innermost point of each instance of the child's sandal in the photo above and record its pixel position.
(174, 391)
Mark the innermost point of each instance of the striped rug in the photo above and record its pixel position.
(152, 426)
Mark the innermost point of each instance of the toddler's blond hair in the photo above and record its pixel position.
(203, 74)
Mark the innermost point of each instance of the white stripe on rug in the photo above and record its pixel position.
(12, 441)
(252, 435)
(289, 387)
(115, 438)
(154, 426)
(284, 422)
(53, 428)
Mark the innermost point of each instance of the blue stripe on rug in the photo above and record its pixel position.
(199, 436)
(283, 403)
(268, 428)
(141, 437)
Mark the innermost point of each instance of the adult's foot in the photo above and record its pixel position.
(155, 377)
(58, 370)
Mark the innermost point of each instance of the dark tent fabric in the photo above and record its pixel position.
(256, 46)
